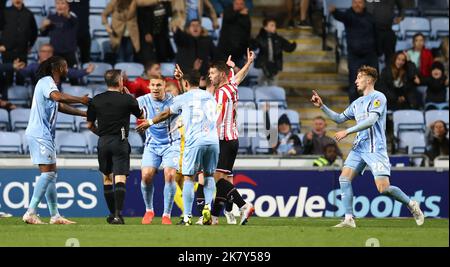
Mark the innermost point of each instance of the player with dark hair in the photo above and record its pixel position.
(40, 133)
(369, 148)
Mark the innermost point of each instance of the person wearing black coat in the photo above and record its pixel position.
(81, 10)
(154, 31)
(19, 33)
(193, 45)
(271, 47)
(398, 81)
(235, 33)
(361, 40)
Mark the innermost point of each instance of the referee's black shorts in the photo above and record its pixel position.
(114, 155)
(227, 155)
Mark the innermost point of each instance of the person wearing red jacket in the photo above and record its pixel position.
(139, 87)
(421, 56)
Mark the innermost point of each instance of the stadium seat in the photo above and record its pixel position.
(408, 120)
(4, 120)
(49, 6)
(133, 70)
(403, 45)
(260, 145)
(433, 7)
(97, 76)
(65, 122)
(254, 75)
(96, 27)
(10, 143)
(412, 25)
(434, 115)
(253, 121)
(25, 147)
(207, 24)
(271, 94)
(246, 94)
(19, 95)
(439, 27)
(100, 90)
(133, 122)
(80, 124)
(19, 118)
(36, 6)
(77, 90)
(92, 141)
(97, 6)
(245, 145)
(136, 142)
(339, 4)
(71, 143)
(414, 142)
(167, 69)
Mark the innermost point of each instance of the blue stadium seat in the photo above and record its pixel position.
(339, 4)
(434, 115)
(254, 75)
(97, 76)
(252, 121)
(92, 141)
(412, 25)
(208, 25)
(65, 122)
(245, 145)
(136, 142)
(71, 143)
(77, 90)
(19, 118)
(4, 120)
(246, 94)
(133, 70)
(80, 123)
(260, 145)
(133, 122)
(408, 120)
(19, 95)
(96, 27)
(439, 27)
(25, 147)
(414, 142)
(10, 143)
(403, 45)
(433, 7)
(97, 6)
(271, 94)
(167, 69)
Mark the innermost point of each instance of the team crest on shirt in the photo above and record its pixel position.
(377, 103)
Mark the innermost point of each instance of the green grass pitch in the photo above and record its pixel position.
(260, 232)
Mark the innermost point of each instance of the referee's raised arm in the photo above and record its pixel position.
(108, 116)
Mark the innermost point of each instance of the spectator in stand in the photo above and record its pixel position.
(45, 52)
(194, 44)
(123, 31)
(437, 143)
(442, 54)
(19, 32)
(315, 140)
(9, 67)
(62, 28)
(303, 8)
(398, 81)
(221, 5)
(329, 156)
(384, 14)
(361, 40)
(421, 56)
(81, 10)
(185, 11)
(153, 20)
(140, 86)
(271, 47)
(288, 142)
(235, 33)
(437, 85)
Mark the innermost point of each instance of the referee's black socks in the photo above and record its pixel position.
(119, 195)
(109, 197)
(226, 192)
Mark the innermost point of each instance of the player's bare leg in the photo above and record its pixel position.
(147, 191)
(384, 187)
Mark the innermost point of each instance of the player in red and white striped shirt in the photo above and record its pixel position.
(226, 95)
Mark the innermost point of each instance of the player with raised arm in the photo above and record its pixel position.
(198, 111)
(226, 95)
(40, 134)
(369, 147)
(162, 147)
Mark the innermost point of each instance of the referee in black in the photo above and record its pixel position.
(112, 110)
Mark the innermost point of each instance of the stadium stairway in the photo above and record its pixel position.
(307, 68)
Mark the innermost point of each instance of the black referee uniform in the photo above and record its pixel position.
(112, 110)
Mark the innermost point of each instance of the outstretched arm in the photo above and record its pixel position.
(157, 119)
(68, 99)
(336, 117)
(366, 123)
(240, 76)
(71, 110)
